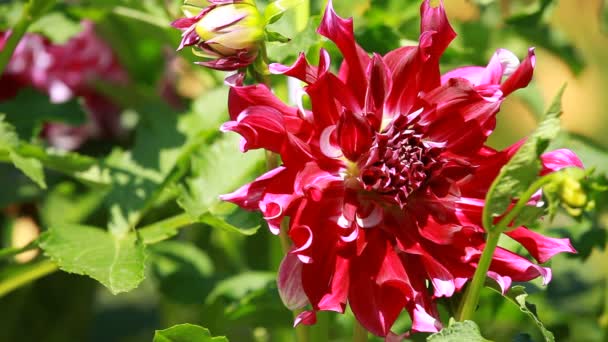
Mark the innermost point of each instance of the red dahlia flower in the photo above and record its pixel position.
(384, 179)
(227, 32)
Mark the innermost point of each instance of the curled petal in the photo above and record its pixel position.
(302, 239)
(541, 247)
(354, 135)
(289, 283)
(306, 318)
(301, 69)
(423, 321)
(340, 31)
(241, 97)
(518, 268)
(559, 159)
(521, 76)
(503, 282)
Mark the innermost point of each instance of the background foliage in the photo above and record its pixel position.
(139, 214)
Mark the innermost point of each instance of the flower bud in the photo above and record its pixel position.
(227, 32)
(571, 191)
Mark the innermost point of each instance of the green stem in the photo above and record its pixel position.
(15, 36)
(165, 229)
(359, 332)
(471, 296)
(11, 251)
(27, 275)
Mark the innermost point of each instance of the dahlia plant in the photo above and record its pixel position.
(384, 178)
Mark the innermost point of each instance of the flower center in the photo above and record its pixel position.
(398, 164)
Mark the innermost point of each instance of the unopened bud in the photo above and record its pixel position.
(227, 33)
(572, 193)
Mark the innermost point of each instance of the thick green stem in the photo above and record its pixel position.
(27, 275)
(471, 296)
(359, 333)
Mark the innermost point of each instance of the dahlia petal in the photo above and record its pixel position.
(335, 299)
(228, 63)
(306, 318)
(521, 76)
(502, 63)
(329, 149)
(435, 19)
(354, 135)
(261, 127)
(289, 283)
(376, 305)
(379, 85)
(436, 35)
(372, 219)
(325, 280)
(503, 282)
(462, 118)
(422, 321)
(441, 278)
(326, 110)
(541, 247)
(472, 74)
(518, 268)
(302, 239)
(242, 97)
(559, 159)
(340, 31)
(313, 182)
(404, 65)
(301, 69)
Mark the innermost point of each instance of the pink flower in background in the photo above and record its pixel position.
(227, 33)
(384, 178)
(66, 71)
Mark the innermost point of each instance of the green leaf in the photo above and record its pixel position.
(523, 168)
(8, 136)
(517, 295)
(9, 142)
(217, 169)
(31, 167)
(230, 222)
(116, 262)
(528, 216)
(272, 36)
(275, 9)
(457, 332)
(186, 333)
